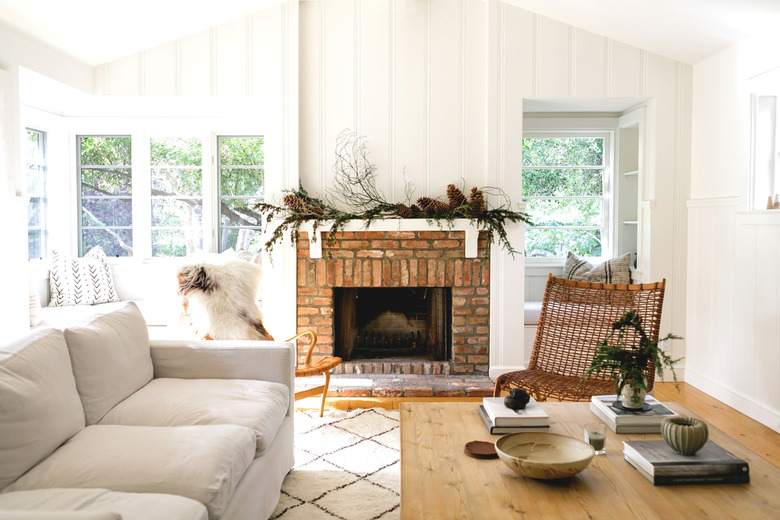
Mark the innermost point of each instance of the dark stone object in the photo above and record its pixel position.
(517, 399)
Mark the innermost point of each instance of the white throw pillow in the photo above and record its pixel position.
(614, 270)
(81, 281)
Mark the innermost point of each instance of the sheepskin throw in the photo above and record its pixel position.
(221, 300)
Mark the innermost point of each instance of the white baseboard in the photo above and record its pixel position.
(745, 404)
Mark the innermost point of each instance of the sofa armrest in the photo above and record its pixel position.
(222, 359)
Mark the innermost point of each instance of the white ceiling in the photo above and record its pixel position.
(684, 30)
(97, 31)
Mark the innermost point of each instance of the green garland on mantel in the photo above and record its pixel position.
(355, 188)
(300, 208)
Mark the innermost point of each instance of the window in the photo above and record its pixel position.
(765, 151)
(177, 196)
(176, 192)
(566, 186)
(35, 162)
(241, 187)
(105, 195)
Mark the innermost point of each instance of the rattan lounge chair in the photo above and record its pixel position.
(576, 316)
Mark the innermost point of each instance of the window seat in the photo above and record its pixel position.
(532, 311)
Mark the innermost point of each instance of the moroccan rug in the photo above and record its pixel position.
(346, 467)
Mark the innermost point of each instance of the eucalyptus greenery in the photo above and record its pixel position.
(626, 365)
(354, 178)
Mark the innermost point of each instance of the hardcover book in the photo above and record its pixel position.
(503, 430)
(660, 464)
(500, 415)
(621, 420)
(737, 478)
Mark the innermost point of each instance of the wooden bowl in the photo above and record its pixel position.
(544, 455)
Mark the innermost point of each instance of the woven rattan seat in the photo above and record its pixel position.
(314, 368)
(575, 317)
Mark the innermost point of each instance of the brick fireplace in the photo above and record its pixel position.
(391, 259)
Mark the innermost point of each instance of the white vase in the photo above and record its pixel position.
(632, 398)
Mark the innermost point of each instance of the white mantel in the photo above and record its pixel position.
(468, 226)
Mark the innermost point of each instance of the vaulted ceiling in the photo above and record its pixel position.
(97, 31)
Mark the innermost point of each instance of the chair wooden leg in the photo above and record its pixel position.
(325, 392)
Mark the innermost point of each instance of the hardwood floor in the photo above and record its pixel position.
(762, 440)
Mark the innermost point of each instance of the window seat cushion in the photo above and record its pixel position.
(532, 311)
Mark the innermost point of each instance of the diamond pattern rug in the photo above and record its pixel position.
(346, 467)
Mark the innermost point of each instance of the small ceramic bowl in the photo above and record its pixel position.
(544, 455)
(686, 435)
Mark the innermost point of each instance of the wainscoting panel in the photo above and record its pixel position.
(374, 107)
(587, 66)
(626, 70)
(195, 62)
(232, 64)
(733, 333)
(161, 78)
(553, 57)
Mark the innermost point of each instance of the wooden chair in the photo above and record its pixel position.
(575, 316)
(308, 369)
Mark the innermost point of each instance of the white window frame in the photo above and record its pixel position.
(208, 130)
(217, 225)
(764, 178)
(42, 226)
(574, 127)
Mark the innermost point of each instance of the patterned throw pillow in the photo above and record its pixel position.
(614, 270)
(81, 281)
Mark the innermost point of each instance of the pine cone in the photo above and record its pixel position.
(477, 203)
(438, 207)
(416, 210)
(425, 203)
(455, 196)
(404, 211)
(294, 202)
(317, 210)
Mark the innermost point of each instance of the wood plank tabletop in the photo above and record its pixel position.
(438, 481)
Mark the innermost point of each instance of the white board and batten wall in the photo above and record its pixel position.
(733, 333)
(437, 88)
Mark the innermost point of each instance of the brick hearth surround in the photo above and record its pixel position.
(398, 259)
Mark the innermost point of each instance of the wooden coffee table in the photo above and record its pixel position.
(439, 481)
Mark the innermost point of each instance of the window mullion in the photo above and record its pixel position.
(210, 193)
(142, 195)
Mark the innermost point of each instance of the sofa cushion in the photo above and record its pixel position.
(13, 514)
(204, 463)
(39, 406)
(258, 405)
(124, 506)
(110, 357)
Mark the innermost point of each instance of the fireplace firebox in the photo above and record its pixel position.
(393, 322)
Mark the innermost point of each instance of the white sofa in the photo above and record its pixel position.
(97, 421)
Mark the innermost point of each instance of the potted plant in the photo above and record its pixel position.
(627, 363)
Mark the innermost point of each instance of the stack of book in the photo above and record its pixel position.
(501, 420)
(661, 465)
(621, 420)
